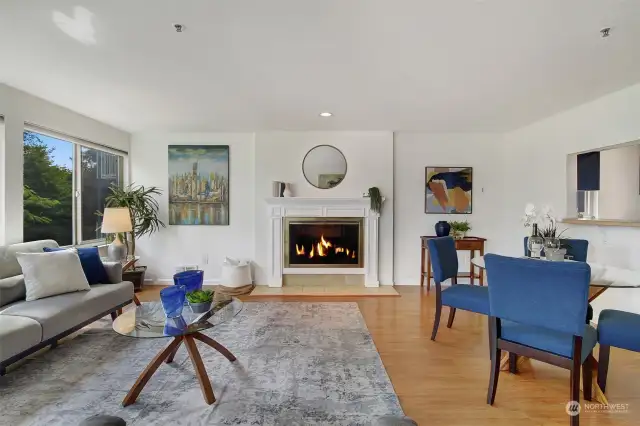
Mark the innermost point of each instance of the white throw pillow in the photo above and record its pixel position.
(49, 274)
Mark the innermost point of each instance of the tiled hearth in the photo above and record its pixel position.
(322, 236)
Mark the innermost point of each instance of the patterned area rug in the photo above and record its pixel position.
(298, 364)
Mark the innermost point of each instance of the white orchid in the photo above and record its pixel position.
(530, 215)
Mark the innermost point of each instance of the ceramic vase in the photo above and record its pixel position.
(442, 228)
(287, 191)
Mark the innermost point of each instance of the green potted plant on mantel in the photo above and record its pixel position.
(200, 301)
(459, 229)
(376, 199)
(143, 210)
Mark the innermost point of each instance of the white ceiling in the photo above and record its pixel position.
(423, 65)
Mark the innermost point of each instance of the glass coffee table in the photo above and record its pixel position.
(148, 321)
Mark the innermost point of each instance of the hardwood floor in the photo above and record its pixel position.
(445, 382)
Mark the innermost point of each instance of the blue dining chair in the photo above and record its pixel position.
(578, 250)
(444, 260)
(537, 310)
(619, 329)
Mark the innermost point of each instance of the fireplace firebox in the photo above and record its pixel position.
(311, 242)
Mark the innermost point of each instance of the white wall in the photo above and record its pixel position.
(414, 152)
(369, 157)
(205, 246)
(18, 107)
(536, 171)
(619, 183)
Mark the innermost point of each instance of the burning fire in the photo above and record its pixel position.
(321, 249)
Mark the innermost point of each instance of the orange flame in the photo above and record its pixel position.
(300, 250)
(347, 252)
(322, 252)
(311, 254)
(339, 250)
(353, 254)
(324, 242)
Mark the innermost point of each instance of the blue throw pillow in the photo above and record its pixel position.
(91, 264)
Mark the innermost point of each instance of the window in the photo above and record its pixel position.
(65, 185)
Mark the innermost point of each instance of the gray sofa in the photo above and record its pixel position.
(26, 327)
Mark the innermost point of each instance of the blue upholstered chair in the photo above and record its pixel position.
(578, 250)
(619, 329)
(537, 309)
(444, 260)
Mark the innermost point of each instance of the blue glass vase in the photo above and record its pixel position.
(191, 280)
(173, 299)
(175, 326)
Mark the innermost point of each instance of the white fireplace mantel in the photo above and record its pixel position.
(279, 208)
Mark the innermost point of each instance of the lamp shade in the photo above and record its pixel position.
(116, 219)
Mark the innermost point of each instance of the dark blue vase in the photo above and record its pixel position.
(442, 228)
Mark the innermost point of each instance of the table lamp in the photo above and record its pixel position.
(114, 221)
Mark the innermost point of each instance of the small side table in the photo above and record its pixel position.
(471, 244)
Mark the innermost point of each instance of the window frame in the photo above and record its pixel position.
(76, 173)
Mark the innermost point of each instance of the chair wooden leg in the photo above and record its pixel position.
(513, 363)
(452, 315)
(575, 378)
(496, 354)
(201, 372)
(436, 321)
(587, 378)
(603, 366)
(114, 315)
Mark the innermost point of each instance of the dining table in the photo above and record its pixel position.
(603, 277)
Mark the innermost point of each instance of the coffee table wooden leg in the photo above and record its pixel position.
(201, 372)
(149, 371)
(215, 345)
(169, 359)
(136, 300)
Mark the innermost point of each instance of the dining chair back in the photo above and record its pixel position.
(537, 309)
(444, 260)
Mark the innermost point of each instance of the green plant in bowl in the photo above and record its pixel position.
(459, 228)
(200, 300)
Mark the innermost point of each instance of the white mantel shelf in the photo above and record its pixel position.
(292, 201)
(281, 207)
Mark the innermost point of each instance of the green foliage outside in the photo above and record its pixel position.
(48, 202)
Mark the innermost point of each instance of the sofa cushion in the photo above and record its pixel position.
(60, 313)
(17, 334)
(11, 280)
(50, 274)
(91, 264)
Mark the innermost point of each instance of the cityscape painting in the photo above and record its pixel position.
(198, 184)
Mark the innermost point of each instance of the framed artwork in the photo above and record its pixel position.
(198, 184)
(448, 190)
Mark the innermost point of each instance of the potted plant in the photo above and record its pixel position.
(459, 229)
(376, 199)
(200, 301)
(143, 210)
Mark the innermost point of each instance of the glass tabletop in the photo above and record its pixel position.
(149, 321)
(602, 276)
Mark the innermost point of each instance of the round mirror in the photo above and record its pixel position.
(324, 166)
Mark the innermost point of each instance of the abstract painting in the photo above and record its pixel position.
(198, 184)
(448, 190)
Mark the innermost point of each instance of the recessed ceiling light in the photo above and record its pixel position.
(325, 114)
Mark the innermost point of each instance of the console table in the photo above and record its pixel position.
(471, 244)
